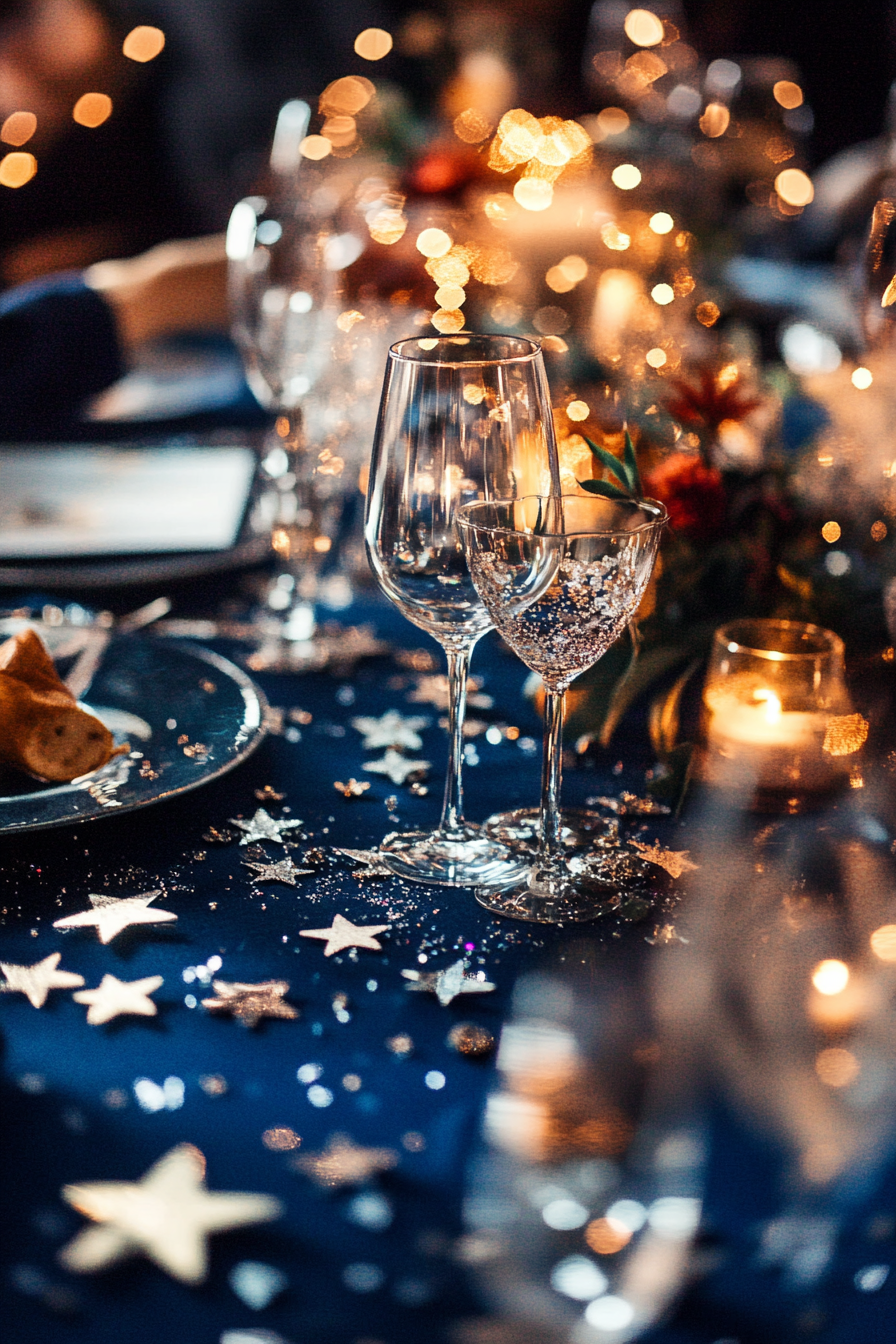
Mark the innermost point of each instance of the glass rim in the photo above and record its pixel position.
(637, 502)
(830, 644)
(527, 356)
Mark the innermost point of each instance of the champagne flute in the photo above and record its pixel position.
(462, 418)
(561, 579)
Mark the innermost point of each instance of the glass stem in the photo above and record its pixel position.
(551, 775)
(453, 806)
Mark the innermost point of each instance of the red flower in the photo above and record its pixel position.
(717, 396)
(693, 493)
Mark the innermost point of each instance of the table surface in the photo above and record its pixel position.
(383, 1261)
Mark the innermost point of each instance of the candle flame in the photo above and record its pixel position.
(771, 702)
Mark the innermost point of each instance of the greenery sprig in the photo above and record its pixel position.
(625, 471)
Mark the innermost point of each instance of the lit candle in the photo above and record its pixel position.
(753, 742)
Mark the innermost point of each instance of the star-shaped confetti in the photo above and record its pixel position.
(664, 934)
(675, 861)
(250, 1003)
(343, 933)
(396, 766)
(630, 805)
(284, 870)
(352, 788)
(113, 997)
(167, 1216)
(391, 730)
(344, 1163)
(449, 983)
(36, 981)
(371, 861)
(111, 914)
(264, 827)
(433, 690)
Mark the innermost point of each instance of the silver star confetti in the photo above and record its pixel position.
(250, 1003)
(111, 914)
(36, 981)
(114, 997)
(284, 870)
(396, 766)
(447, 984)
(433, 690)
(167, 1216)
(391, 730)
(371, 861)
(343, 933)
(264, 827)
(344, 1163)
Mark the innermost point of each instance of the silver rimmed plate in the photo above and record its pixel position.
(187, 714)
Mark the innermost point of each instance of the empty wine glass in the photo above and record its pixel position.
(462, 418)
(561, 579)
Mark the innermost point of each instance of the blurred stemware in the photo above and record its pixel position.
(462, 418)
(561, 579)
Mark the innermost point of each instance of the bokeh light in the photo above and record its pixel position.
(315, 147)
(578, 410)
(471, 126)
(836, 1067)
(92, 109)
(862, 378)
(656, 357)
(450, 296)
(662, 294)
(143, 43)
(788, 94)
(625, 176)
(708, 314)
(883, 942)
(373, 44)
(448, 320)
(830, 976)
(533, 193)
(18, 128)
(16, 169)
(613, 121)
(643, 28)
(661, 222)
(715, 120)
(831, 531)
(794, 187)
(434, 242)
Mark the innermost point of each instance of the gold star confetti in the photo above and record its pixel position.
(675, 861)
(269, 795)
(371, 862)
(36, 981)
(352, 789)
(343, 933)
(344, 1163)
(250, 1003)
(447, 984)
(664, 934)
(630, 805)
(391, 730)
(167, 1216)
(111, 914)
(433, 690)
(263, 827)
(284, 870)
(396, 766)
(114, 997)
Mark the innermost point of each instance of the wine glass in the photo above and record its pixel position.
(561, 579)
(462, 418)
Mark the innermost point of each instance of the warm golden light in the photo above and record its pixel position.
(578, 410)
(708, 314)
(787, 93)
(831, 531)
(661, 222)
(448, 270)
(533, 193)
(574, 267)
(715, 120)
(614, 238)
(613, 121)
(16, 169)
(494, 266)
(656, 357)
(428, 343)
(448, 320)
(474, 394)
(878, 530)
(471, 126)
(322, 544)
(845, 734)
(434, 242)
(625, 176)
(643, 28)
(500, 208)
(606, 1236)
(387, 226)
(831, 976)
(836, 1067)
(373, 44)
(662, 294)
(794, 187)
(92, 109)
(18, 128)
(340, 130)
(315, 147)
(861, 378)
(143, 43)
(450, 296)
(350, 318)
(348, 96)
(883, 942)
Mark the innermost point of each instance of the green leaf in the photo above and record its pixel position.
(604, 488)
(610, 462)
(631, 466)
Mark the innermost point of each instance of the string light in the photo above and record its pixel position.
(92, 109)
(143, 44)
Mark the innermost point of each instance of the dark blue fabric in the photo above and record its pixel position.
(58, 347)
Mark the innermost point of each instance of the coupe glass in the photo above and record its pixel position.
(462, 418)
(561, 579)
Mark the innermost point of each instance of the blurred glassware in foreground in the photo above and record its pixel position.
(462, 418)
(778, 723)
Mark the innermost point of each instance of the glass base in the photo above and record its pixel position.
(521, 828)
(465, 857)
(608, 881)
